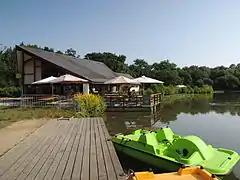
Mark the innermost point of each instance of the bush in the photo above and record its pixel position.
(10, 92)
(190, 90)
(155, 88)
(197, 90)
(158, 88)
(203, 90)
(89, 105)
(183, 90)
(169, 90)
(207, 89)
(148, 92)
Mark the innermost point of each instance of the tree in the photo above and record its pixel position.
(228, 82)
(232, 66)
(8, 67)
(113, 61)
(208, 81)
(59, 52)
(185, 76)
(71, 52)
(139, 68)
(169, 77)
(164, 65)
(48, 49)
(199, 83)
(33, 46)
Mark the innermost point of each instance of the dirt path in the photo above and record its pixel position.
(16, 132)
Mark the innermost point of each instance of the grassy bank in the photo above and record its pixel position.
(184, 97)
(87, 105)
(10, 115)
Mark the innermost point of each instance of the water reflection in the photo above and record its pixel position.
(215, 119)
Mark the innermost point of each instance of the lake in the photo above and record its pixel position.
(215, 119)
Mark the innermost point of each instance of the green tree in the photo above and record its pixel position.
(228, 82)
(48, 49)
(71, 52)
(59, 52)
(113, 61)
(8, 67)
(185, 76)
(199, 83)
(139, 68)
(208, 81)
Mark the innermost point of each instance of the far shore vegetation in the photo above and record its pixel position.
(171, 90)
(220, 77)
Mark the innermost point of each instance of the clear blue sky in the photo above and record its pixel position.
(199, 32)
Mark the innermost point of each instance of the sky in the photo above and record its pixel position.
(187, 32)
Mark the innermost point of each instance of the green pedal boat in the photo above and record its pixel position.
(166, 150)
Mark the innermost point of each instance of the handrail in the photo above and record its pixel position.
(128, 101)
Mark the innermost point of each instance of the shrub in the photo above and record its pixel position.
(148, 91)
(161, 89)
(207, 89)
(10, 91)
(183, 90)
(169, 90)
(199, 83)
(190, 90)
(155, 88)
(197, 90)
(89, 105)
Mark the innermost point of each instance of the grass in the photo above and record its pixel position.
(10, 115)
(184, 97)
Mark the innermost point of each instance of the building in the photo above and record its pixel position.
(36, 64)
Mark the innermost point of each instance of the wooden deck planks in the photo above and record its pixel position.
(76, 174)
(22, 148)
(115, 161)
(61, 167)
(45, 152)
(107, 159)
(71, 150)
(43, 162)
(59, 153)
(85, 161)
(93, 154)
(71, 161)
(102, 171)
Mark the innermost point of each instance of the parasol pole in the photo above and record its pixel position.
(52, 88)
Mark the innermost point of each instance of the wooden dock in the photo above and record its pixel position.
(75, 149)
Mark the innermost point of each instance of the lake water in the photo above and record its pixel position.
(214, 119)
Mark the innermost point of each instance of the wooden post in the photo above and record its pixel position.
(23, 72)
(86, 88)
(34, 69)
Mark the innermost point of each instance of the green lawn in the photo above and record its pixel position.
(10, 115)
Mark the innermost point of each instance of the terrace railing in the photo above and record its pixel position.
(132, 101)
(36, 101)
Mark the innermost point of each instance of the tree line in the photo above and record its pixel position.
(220, 77)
